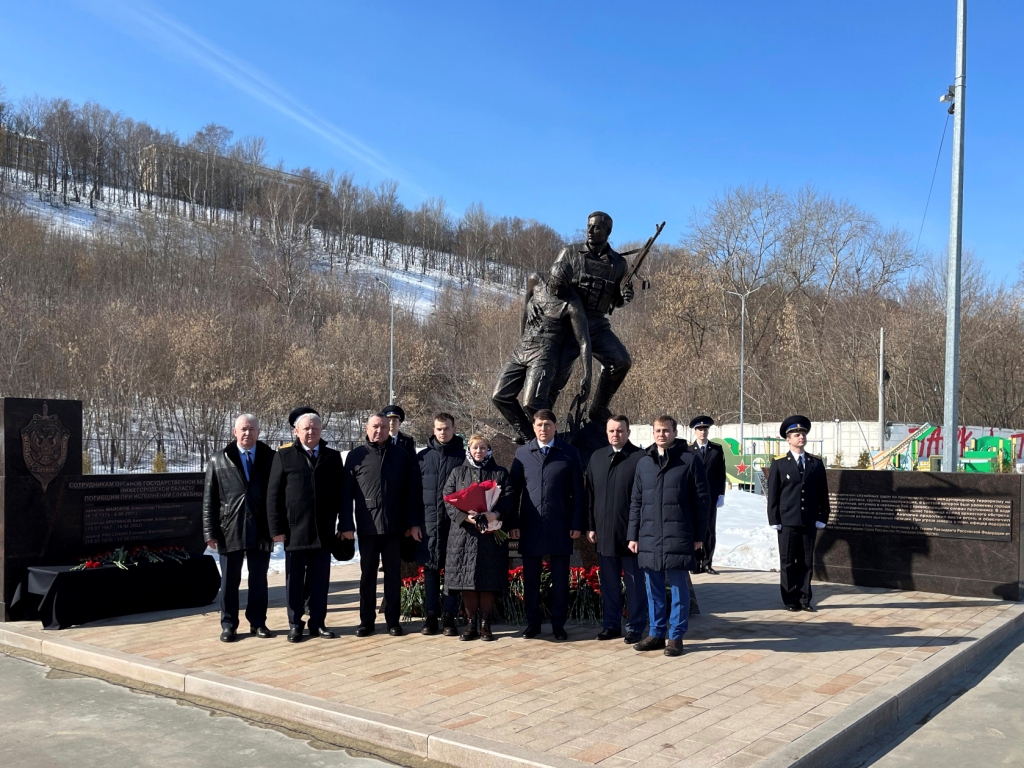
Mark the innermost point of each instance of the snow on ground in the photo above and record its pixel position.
(277, 561)
(745, 540)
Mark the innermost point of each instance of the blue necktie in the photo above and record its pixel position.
(246, 463)
(545, 449)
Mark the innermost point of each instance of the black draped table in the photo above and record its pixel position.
(60, 597)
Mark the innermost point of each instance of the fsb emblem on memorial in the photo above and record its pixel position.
(44, 443)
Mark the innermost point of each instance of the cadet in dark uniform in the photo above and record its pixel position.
(798, 506)
(396, 417)
(597, 272)
(714, 464)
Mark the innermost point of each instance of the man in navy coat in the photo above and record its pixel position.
(798, 507)
(547, 480)
(668, 520)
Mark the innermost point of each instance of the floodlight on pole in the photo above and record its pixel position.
(391, 370)
(743, 327)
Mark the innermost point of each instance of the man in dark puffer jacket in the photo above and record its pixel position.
(668, 520)
(444, 452)
(385, 491)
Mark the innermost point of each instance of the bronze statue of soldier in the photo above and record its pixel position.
(597, 273)
(554, 333)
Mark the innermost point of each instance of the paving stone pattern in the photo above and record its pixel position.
(753, 678)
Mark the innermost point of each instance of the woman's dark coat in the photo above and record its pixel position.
(227, 493)
(476, 561)
(436, 462)
(670, 508)
(609, 481)
(305, 500)
(384, 487)
(551, 497)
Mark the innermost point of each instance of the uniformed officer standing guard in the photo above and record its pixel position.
(798, 506)
(714, 464)
(395, 415)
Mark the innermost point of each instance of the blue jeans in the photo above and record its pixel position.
(432, 599)
(676, 623)
(616, 572)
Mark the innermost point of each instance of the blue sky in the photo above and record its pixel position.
(550, 110)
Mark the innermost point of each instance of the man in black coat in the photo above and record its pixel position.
(547, 480)
(235, 524)
(798, 507)
(444, 452)
(713, 457)
(396, 417)
(668, 520)
(609, 482)
(305, 497)
(384, 489)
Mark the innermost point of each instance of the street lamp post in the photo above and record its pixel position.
(391, 370)
(743, 328)
(956, 209)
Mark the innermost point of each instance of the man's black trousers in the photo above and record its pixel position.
(231, 578)
(314, 564)
(559, 589)
(373, 551)
(796, 551)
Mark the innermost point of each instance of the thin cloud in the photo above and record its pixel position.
(144, 22)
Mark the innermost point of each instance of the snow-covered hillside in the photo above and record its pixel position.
(416, 289)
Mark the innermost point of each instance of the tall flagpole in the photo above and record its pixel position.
(950, 427)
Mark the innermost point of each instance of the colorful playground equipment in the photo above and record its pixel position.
(983, 454)
(743, 468)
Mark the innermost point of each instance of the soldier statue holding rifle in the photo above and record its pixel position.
(596, 279)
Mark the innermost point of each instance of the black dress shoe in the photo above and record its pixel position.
(709, 569)
(448, 626)
(325, 633)
(608, 634)
(793, 608)
(396, 631)
(632, 638)
(295, 635)
(228, 636)
(430, 626)
(650, 644)
(364, 630)
(673, 648)
(560, 634)
(531, 632)
(810, 608)
(261, 632)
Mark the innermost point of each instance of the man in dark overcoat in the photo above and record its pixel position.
(235, 524)
(305, 498)
(395, 415)
(609, 482)
(668, 520)
(444, 452)
(798, 507)
(713, 457)
(388, 503)
(547, 478)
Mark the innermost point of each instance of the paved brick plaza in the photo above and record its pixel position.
(753, 679)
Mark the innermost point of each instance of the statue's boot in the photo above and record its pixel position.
(516, 418)
(607, 385)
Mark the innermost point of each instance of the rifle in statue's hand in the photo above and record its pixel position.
(641, 255)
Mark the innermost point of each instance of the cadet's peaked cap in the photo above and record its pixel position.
(793, 423)
(299, 412)
(394, 410)
(701, 421)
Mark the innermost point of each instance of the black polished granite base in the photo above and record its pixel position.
(956, 534)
